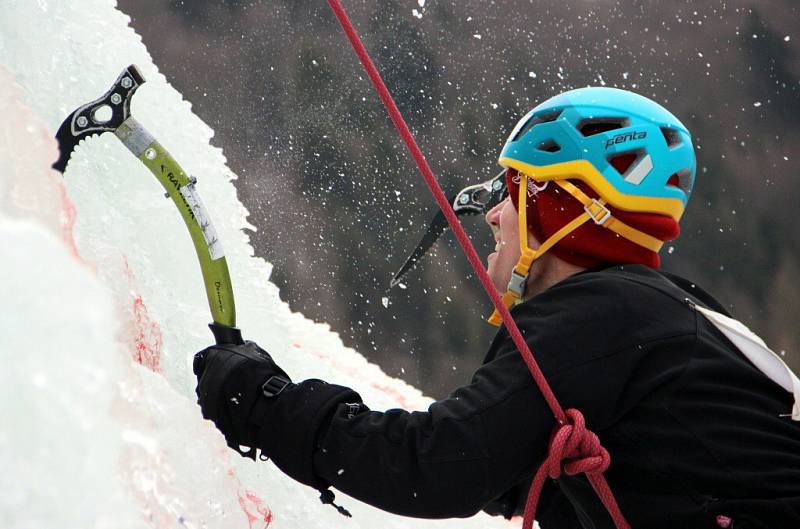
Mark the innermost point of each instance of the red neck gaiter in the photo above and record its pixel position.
(590, 245)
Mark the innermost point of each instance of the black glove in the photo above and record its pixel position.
(231, 380)
(254, 403)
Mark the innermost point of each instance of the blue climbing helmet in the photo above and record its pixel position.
(633, 154)
(641, 156)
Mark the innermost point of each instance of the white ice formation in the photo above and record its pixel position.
(103, 307)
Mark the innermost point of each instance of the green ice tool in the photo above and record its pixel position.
(111, 113)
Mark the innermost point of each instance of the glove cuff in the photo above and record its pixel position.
(290, 423)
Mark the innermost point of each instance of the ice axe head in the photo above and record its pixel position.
(91, 118)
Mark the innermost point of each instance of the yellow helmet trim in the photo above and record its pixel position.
(583, 170)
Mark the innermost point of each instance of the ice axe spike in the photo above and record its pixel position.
(472, 200)
(86, 121)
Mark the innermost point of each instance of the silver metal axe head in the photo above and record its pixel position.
(89, 119)
(472, 200)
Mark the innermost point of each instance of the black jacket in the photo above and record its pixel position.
(692, 427)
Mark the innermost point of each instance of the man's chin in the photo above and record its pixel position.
(498, 283)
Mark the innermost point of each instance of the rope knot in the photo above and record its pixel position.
(577, 448)
(579, 451)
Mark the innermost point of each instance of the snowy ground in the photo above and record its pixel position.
(104, 308)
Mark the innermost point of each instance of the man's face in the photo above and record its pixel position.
(503, 219)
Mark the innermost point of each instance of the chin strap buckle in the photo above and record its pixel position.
(514, 293)
(597, 211)
(517, 283)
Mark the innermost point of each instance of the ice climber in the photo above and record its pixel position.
(697, 414)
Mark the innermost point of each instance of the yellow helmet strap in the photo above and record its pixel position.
(594, 209)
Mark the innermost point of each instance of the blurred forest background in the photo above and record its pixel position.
(338, 204)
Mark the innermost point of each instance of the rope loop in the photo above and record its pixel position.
(578, 448)
(574, 449)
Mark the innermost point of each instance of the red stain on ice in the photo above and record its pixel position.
(259, 516)
(147, 337)
(68, 216)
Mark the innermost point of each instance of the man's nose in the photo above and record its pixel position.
(492, 216)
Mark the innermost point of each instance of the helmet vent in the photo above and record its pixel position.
(633, 166)
(590, 127)
(682, 180)
(549, 146)
(639, 171)
(623, 162)
(672, 137)
(537, 120)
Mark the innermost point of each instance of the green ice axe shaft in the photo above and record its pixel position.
(86, 122)
(181, 189)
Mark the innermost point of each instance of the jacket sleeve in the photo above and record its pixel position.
(449, 461)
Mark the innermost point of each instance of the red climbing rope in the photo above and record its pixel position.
(572, 442)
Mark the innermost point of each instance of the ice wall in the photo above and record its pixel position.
(104, 307)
